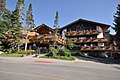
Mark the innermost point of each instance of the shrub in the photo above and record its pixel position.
(26, 52)
(64, 52)
(53, 52)
(10, 55)
(75, 53)
(69, 44)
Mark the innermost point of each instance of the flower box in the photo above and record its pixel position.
(80, 33)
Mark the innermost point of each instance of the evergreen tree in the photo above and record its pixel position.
(7, 17)
(13, 33)
(56, 29)
(5, 23)
(29, 19)
(56, 23)
(2, 7)
(117, 26)
(17, 14)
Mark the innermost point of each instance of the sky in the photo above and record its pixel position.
(44, 11)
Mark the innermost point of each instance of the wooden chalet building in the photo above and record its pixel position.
(88, 35)
(42, 37)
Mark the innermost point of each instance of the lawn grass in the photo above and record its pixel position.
(11, 55)
(59, 57)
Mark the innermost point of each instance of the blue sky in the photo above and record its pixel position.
(70, 10)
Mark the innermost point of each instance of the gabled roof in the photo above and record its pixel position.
(87, 21)
(43, 29)
(43, 25)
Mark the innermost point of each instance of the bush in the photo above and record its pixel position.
(26, 52)
(75, 53)
(10, 55)
(64, 52)
(69, 44)
(53, 52)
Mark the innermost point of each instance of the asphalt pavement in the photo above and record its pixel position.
(28, 68)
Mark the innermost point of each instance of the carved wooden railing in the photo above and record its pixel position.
(95, 48)
(88, 40)
(82, 33)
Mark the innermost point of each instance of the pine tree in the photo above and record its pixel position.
(2, 7)
(56, 23)
(56, 29)
(7, 17)
(17, 14)
(29, 19)
(117, 26)
(16, 25)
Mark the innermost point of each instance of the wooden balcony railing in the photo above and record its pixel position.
(79, 41)
(103, 40)
(82, 33)
(95, 40)
(95, 32)
(95, 48)
(88, 40)
(73, 33)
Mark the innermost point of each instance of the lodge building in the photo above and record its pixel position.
(86, 35)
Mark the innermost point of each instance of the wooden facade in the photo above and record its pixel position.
(42, 37)
(88, 35)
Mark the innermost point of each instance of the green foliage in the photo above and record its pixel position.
(3, 27)
(17, 14)
(10, 27)
(7, 16)
(117, 26)
(59, 51)
(69, 44)
(5, 22)
(26, 52)
(64, 52)
(11, 55)
(2, 7)
(53, 52)
(29, 19)
(75, 53)
(12, 38)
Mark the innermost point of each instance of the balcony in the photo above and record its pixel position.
(88, 32)
(88, 40)
(79, 41)
(95, 32)
(85, 48)
(73, 33)
(95, 40)
(82, 33)
(95, 48)
(103, 40)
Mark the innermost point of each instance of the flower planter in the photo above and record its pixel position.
(79, 33)
(104, 40)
